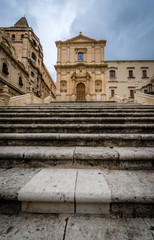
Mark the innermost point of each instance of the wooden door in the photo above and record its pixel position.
(80, 92)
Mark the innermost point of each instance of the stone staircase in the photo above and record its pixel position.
(77, 157)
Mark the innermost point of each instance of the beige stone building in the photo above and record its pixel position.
(83, 73)
(12, 72)
(29, 54)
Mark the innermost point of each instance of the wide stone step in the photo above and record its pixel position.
(111, 158)
(73, 139)
(78, 227)
(76, 128)
(82, 191)
(78, 110)
(50, 120)
(75, 115)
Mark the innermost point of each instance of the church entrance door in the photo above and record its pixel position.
(80, 90)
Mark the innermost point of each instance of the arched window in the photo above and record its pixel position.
(5, 69)
(80, 56)
(13, 36)
(20, 81)
(112, 74)
(32, 74)
(34, 42)
(22, 36)
(33, 56)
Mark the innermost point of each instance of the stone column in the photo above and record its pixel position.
(5, 96)
(93, 52)
(102, 53)
(68, 53)
(58, 55)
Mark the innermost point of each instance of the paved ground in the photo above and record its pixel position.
(67, 227)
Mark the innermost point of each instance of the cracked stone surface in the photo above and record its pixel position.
(139, 185)
(68, 227)
(11, 180)
(107, 229)
(31, 226)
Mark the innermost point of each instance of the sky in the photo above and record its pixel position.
(127, 25)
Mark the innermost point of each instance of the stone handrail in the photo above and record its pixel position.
(120, 99)
(144, 98)
(21, 100)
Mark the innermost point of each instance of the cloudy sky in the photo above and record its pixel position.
(127, 25)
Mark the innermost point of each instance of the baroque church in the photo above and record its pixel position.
(84, 75)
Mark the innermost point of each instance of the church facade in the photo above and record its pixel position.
(84, 75)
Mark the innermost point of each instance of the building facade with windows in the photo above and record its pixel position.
(29, 54)
(84, 75)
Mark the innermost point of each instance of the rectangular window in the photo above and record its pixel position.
(112, 92)
(112, 74)
(80, 57)
(130, 73)
(144, 73)
(132, 93)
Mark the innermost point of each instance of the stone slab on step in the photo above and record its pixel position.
(35, 156)
(66, 191)
(92, 196)
(133, 153)
(11, 180)
(95, 227)
(131, 190)
(72, 227)
(95, 156)
(131, 186)
(50, 191)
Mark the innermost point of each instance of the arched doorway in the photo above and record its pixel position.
(80, 92)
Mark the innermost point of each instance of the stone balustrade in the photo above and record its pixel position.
(144, 98)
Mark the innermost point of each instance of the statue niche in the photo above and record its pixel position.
(98, 86)
(63, 86)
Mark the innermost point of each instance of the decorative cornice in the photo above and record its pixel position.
(86, 65)
(75, 76)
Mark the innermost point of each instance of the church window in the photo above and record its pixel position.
(20, 81)
(130, 73)
(34, 42)
(112, 92)
(22, 35)
(80, 56)
(13, 36)
(112, 74)
(5, 69)
(144, 73)
(32, 74)
(33, 56)
(132, 93)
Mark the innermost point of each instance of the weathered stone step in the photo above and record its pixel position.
(75, 128)
(79, 120)
(85, 191)
(73, 139)
(75, 115)
(78, 227)
(111, 158)
(78, 110)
